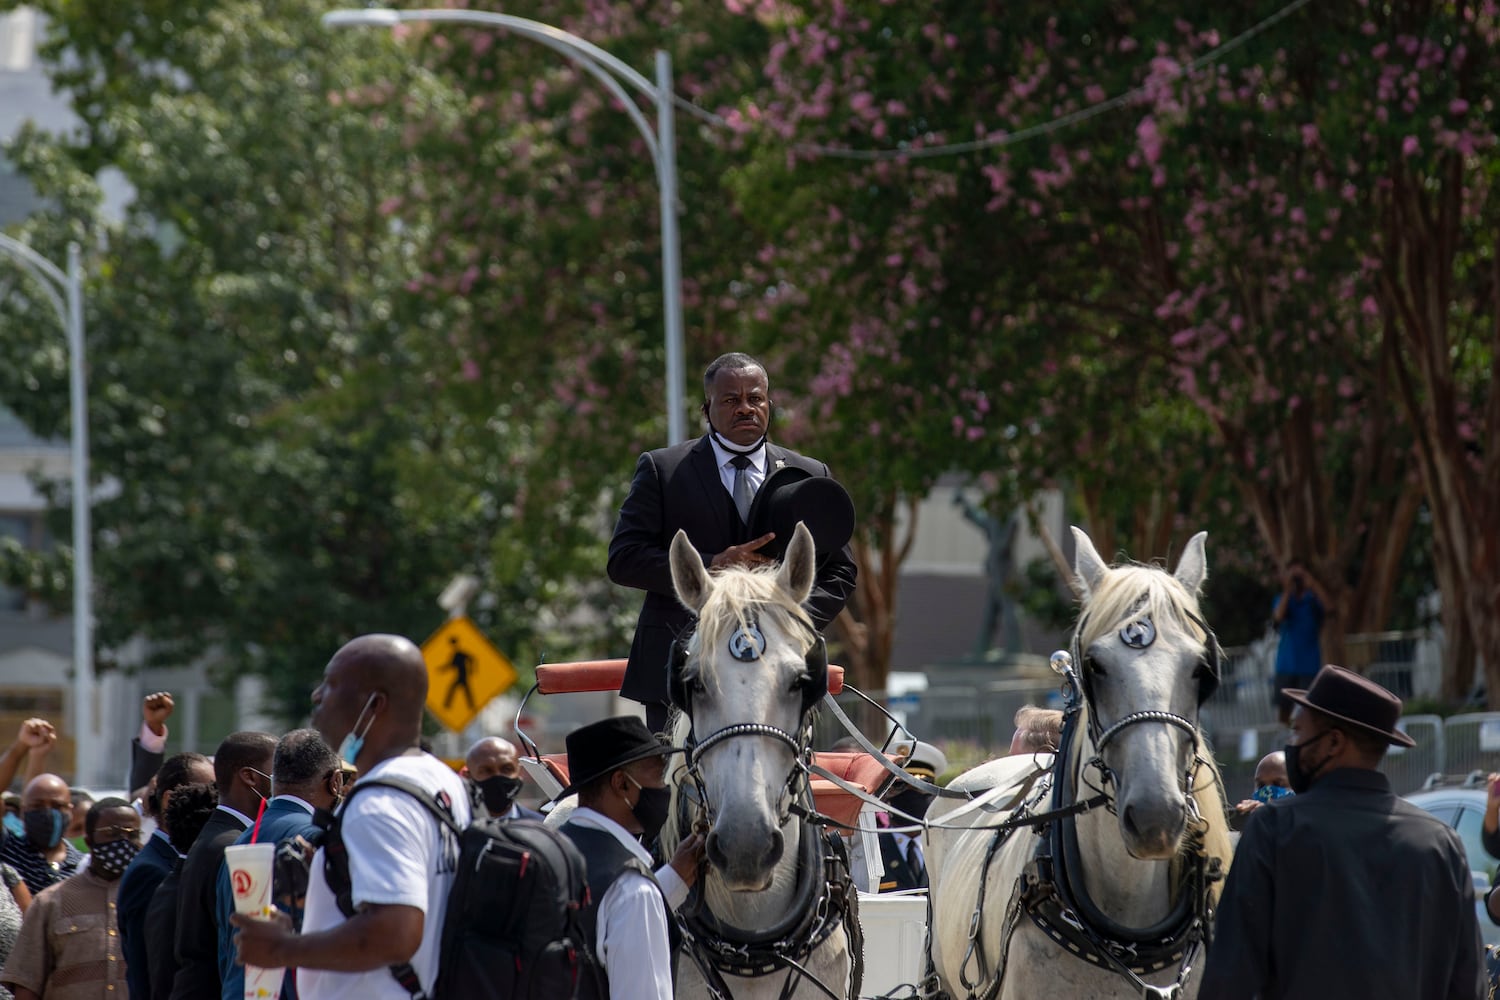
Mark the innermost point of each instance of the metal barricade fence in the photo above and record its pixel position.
(1243, 700)
(1472, 743)
(1408, 768)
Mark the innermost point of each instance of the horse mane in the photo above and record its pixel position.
(1131, 591)
(739, 595)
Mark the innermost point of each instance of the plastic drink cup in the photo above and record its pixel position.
(250, 867)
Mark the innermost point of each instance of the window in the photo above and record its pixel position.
(18, 40)
(1470, 827)
(21, 528)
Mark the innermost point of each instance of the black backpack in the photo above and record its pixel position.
(511, 925)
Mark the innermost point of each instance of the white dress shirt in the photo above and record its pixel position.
(756, 470)
(632, 937)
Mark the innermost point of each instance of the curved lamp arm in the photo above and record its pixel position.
(605, 68)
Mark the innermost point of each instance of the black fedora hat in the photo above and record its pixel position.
(791, 494)
(1346, 696)
(600, 747)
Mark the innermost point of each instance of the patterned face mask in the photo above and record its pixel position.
(110, 860)
(1270, 793)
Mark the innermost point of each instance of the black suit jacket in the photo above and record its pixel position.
(143, 765)
(197, 935)
(679, 487)
(137, 886)
(161, 930)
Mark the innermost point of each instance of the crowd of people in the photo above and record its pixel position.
(134, 895)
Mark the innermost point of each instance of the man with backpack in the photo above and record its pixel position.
(622, 800)
(379, 939)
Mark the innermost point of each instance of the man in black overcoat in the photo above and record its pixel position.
(1345, 890)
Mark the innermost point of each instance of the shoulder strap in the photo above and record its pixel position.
(336, 861)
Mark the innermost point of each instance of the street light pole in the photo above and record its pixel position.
(661, 143)
(65, 292)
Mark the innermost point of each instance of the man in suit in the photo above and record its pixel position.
(306, 779)
(152, 865)
(492, 771)
(242, 774)
(706, 488)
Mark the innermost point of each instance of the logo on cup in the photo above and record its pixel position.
(242, 882)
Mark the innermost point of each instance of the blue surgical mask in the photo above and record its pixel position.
(1270, 793)
(14, 826)
(355, 741)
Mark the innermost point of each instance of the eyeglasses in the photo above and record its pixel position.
(105, 834)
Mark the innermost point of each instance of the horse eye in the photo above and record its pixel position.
(801, 681)
(1092, 666)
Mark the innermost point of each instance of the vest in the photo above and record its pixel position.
(607, 859)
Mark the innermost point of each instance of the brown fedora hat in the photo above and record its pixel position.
(1342, 694)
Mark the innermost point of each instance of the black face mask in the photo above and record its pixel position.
(650, 810)
(1298, 777)
(499, 793)
(44, 827)
(911, 801)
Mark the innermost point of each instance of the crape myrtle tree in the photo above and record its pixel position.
(282, 428)
(1038, 299)
(547, 200)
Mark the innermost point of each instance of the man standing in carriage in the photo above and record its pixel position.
(738, 497)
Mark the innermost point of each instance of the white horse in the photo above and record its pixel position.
(1140, 874)
(749, 676)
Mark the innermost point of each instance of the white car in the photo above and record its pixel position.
(1461, 806)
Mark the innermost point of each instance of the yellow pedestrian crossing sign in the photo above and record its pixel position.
(464, 671)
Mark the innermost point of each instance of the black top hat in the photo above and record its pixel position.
(791, 494)
(1346, 696)
(600, 747)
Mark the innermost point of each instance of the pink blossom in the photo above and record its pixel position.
(1458, 106)
(1149, 139)
(1410, 146)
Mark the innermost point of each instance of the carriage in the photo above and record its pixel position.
(1093, 871)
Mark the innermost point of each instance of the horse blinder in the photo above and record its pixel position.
(677, 683)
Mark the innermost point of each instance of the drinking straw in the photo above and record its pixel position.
(255, 834)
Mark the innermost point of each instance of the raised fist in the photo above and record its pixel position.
(37, 734)
(156, 709)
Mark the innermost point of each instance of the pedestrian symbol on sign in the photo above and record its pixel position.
(459, 664)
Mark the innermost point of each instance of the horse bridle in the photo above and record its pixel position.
(786, 806)
(800, 744)
(1078, 677)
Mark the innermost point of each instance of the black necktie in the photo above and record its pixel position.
(914, 859)
(743, 493)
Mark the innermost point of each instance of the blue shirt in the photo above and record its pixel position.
(1300, 652)
(286, 817)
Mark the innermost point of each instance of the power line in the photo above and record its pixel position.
(1000, 140)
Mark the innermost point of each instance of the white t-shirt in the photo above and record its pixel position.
(398, 854)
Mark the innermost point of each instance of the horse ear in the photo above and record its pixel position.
(799, 566)
(1192, 568)
(689, 578)
(1086, 562)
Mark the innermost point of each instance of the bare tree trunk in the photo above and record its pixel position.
(1462, 481)
(865, 630)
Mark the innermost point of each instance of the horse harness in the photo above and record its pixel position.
(1050, 894)
(825, 894)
